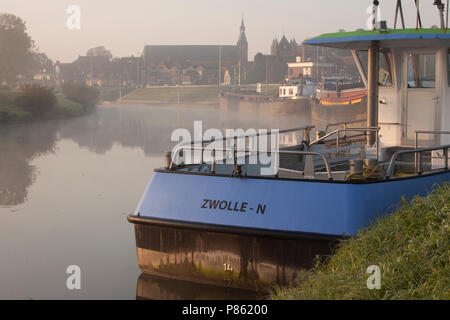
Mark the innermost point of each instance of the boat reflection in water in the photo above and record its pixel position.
(156, 288)
(249, 262)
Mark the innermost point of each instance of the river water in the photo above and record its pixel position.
(67, 186)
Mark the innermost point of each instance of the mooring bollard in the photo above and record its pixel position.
(167, 160)
(213, 161)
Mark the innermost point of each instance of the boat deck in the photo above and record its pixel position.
(340, 155)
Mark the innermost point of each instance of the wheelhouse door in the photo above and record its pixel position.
(422, 96)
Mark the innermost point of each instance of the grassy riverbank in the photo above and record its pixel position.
(187, 94)
(10, 111)
(111, 94)
(411, 247)
(191, 94)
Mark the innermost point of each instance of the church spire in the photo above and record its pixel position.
(242, 44)
(242, 37)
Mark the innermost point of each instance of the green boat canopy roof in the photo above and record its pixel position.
(387, 38)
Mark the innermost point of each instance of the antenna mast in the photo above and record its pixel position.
(399, 9)
(440, 6)
(374, 14)
(438, 3)
(418, 19)
(446, 13)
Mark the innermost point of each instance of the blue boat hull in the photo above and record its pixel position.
(274, 205)
(251, 233)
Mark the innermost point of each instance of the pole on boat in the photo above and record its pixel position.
(213, 161)
(446, 18)
(167, 160)
(399, 9)
(418, 19)
(440, 6)
(372, 82)
(372, 91)
(374, 14)
(307, 135)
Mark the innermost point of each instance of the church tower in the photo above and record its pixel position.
(242, 45)
(274, 47)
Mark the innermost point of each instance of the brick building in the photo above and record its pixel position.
(162, 65)
(174, 64)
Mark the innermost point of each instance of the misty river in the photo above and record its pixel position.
(67, 186)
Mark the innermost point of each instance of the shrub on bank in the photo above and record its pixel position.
(81, 93)
(11, 111)
(68, 108)
(411, 247)
(36, 99)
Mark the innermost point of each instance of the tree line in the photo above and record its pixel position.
(20, 61)
(19, 56)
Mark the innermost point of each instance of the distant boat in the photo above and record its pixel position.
(339, 91)
(339, 99)
(289, 100)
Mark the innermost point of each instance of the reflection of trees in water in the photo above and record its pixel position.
(98, 132)
(148, 128)
(15, 177)
(19, 145)
(108, 126)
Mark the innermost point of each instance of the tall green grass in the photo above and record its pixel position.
(411, 247)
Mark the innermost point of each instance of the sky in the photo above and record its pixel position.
(125, 26)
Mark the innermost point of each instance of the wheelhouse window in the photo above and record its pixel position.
(421, 70)
(385, 74)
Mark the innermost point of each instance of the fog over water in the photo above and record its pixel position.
(67, 186)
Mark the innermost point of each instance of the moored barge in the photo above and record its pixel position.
(229, 217)
(338, 99)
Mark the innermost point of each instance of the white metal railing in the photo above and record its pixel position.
(364, 130)
(306, 136)
(343, 123)
(248, 153)
(245, 152)
(306, 129)
(389, 173)
(416, 144)
(391, 168)
(417, 158)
